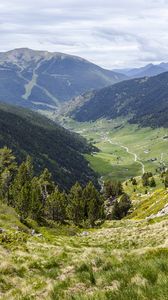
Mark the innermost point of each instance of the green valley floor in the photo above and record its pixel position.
(125, 150)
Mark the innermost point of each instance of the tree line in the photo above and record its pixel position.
(39, 197)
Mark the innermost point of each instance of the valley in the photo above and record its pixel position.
(126, 150)
(83, 150)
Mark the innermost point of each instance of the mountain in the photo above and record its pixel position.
(43, 80)
(148, 70)
(50, 145)
(144, 101)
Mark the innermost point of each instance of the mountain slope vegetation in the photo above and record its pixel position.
(144, 101)
(43, 80)
(124, 259)
(50, 145)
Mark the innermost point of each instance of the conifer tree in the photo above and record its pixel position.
(152, 182)
(56, 206)
(36, 206)
(94, 208)
(166, 181)
(21, 188)
(46, 185)
(8, 168)
(76, 204)
(113, 189)
(134, 182)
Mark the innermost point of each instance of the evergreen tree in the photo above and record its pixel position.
(115, 212)
(166, 182)
(145, 180)
(124, 205)
(152, 182)
(134, 182)
(36, 206)
(24, 200)
(46, 185)
(20, 191)
(76, 204)
(8, 168)
(121, 207)
(113, 189)
(94, 204)
(56, 206)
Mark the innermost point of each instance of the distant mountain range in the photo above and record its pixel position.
(148, 70)
(144, 101)
(50, 145)
(44, 80)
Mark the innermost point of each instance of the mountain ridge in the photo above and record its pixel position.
(147, 70)
(43, 80)
(137, 98)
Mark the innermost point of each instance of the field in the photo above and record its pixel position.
(125, 150)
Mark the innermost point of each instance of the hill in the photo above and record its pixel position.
(50, 145)
(148, 70)
(43, 80)
(144, 101)
(124, 259)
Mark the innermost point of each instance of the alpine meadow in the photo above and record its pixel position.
(83, 150)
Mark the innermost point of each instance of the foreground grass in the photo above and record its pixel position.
(122, 260)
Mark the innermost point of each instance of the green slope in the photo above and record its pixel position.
(123, 260)
(144, 100)
(47, 143)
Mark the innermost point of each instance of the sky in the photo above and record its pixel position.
(110, 33)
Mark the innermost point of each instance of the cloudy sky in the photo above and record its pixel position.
(111, 33)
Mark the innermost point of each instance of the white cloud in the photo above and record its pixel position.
(108, 32)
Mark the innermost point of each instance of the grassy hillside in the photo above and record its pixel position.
(123, 260)
(47, 143)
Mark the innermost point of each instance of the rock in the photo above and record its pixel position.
(85, 233)
(32, 232)
(2, 230)
(39, 235)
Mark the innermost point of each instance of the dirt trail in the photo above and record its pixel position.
(128, 151)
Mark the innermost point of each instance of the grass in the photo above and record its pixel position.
(125, 259)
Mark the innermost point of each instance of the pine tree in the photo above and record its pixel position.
(121, 207)
(36, 206)
(76, 206)
(145, 181)
(46, 185)
(94, 208)
(56, 206)
(134, 182)
(24, 201)
(8, 168)
(152, 182)
(113, 189)
(124, 205)
(166, 182)
(20, 191)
